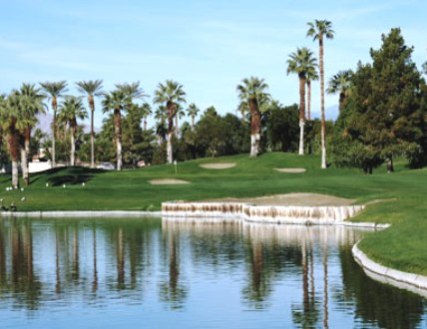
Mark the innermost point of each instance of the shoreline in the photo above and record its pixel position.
(387, 275)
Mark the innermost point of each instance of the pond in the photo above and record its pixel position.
(134, 273)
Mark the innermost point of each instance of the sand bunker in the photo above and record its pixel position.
(291, 170)
(294, 199)
(218, 166)
(168, 181)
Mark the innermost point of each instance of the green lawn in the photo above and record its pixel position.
(403, 246)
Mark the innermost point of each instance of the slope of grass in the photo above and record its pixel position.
(404, 193)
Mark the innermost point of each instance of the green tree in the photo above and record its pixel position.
(301, 62)
(170, 94)
(72, 109)
(54, 90)
(91, 88)
(341, 83)
(252, 91)
(384, 116)
(319, 30)
(9, 113)
(31, 105)
(146, 112)
(282, 127)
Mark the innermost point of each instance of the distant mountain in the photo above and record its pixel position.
(45, 120)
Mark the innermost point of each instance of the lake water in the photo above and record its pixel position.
(149, 273)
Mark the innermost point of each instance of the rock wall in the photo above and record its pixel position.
(214, 211)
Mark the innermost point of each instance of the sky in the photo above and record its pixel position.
(208, 46)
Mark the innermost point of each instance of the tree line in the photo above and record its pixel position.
(382, 115)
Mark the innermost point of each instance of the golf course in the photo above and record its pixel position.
(396, 198)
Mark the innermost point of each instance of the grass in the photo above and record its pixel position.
(403, 195)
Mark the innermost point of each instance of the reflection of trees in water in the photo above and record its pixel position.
(21, 280)
(307, 314)
(377, 303)
(173, 291)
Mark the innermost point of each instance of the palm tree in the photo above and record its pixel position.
(146, 112)
(117, 101)
(54, 90)
(312, 75)
(192, 112)
(31, 106)
(340, 83)
(320, 29)
(253, 91)
(72, 109)
(301, 62)
(92, 89)
(9, 111)
(171, 94)
(179, 113)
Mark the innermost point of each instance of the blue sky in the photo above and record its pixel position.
(208, 46)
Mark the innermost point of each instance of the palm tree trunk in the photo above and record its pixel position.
(169, 151)
(308, 100)
(255, 126)
(54, 107)
(302, 81)
(73, 146)
(25, 153)
(92, 132)
(14, 150)
(322, 104)
(118, 132)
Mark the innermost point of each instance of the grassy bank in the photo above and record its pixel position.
(403, 193)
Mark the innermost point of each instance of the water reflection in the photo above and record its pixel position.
(299, 276)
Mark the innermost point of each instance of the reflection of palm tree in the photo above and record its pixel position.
(307, 315)
(259, 287)
(23, 279)
(120, 260)
(325, 286)
(173, 291)
(95, 268)
(57, 265)
(75, 274)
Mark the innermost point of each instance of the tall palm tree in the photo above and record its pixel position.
(92, 88)
(178, 115)
(171, 94)
(31, 106)
(146, 112)
(312, 75)
(301, 62)
(72, 109)
(9, 111)
(340, 83)
(192, 112)
(117, 101)
(320, 29)
(253, 91)
(54, 90)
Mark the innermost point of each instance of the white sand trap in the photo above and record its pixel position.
(168, 181)
(291, 170)
(295, 199)
(218, 166)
